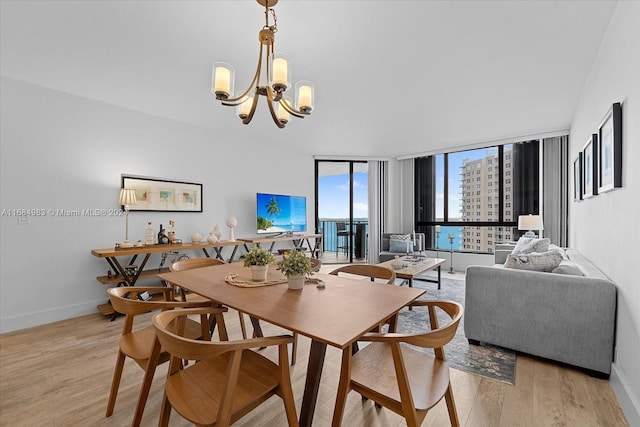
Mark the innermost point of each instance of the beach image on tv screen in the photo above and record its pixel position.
(278, 213)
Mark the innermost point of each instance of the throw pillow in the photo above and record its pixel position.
(553, 247)
(400, 246)
(527, 245)
(545, 261)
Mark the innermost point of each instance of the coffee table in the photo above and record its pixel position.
(415, 266)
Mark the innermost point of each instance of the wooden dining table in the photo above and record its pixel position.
(336, 314)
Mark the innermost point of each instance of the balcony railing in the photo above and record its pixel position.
(329, 230)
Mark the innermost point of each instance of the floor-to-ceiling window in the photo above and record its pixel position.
(470, 200)
(342, 209)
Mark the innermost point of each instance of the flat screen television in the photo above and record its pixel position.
(280, 213)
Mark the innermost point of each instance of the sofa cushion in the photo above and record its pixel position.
(400, 245)
(527, 245)
(568, 267)
(536, 261)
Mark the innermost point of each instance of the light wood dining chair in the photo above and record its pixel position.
(189, 264)
(373, 272)
(367, 270)
(406, 380)
(228, 380)
(316, 264)
(140, 344)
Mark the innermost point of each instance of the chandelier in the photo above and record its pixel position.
(277, 81)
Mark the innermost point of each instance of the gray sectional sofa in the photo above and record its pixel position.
(567, 315)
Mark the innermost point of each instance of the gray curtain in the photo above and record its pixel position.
(555, 198)
(377, 202)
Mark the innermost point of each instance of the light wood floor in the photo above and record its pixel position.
(59, 375)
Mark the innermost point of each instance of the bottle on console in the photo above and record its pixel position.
(163, 239)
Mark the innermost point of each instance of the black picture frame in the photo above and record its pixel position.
(610, 150)
(590, 167)
(163, 195)
(577, 178)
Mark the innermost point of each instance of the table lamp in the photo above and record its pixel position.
(127, 198)
(529, 223)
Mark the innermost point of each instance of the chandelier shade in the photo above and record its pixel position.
(277, 73)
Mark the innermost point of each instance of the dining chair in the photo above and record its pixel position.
(368, 270)
(316, 264)
(140, 344)
(373, 272)
(229, 379)
(403, 379)
(189, 264)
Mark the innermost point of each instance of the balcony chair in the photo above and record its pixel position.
(188, 264)
(342, 232)
(140, 344)
(398, 377)
(228, 381)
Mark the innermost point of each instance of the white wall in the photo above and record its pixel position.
(60, 151)
(605, 228)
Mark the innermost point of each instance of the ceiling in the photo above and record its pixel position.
(392, 78)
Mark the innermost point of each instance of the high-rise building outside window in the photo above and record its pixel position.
(445, 194)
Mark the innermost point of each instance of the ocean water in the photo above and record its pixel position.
(444, 242)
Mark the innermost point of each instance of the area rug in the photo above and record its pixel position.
(489, 361)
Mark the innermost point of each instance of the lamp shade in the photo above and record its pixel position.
(127, 197)
(530, 222)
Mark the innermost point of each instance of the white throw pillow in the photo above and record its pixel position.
(527, 245)
(553, 247)
(545, 261)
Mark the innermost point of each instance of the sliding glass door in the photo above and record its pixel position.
(342, 210)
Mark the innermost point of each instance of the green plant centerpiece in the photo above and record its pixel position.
(259, 259)
(296, 266)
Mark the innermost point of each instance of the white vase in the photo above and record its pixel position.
(296, 281)
(216, 232)
(259, 272)
(196, 237)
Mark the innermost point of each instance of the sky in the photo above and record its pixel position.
(333, 190)
(455, 163)
(333, 196)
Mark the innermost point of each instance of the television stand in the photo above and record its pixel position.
(284, 233)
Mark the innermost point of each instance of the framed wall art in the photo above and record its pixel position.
(590, 167)
(610, 150)
(577, 178)
(156, 194)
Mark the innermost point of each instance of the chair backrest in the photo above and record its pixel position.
(341, 226)
(367, 270)
(188, 264)
(437, 336)
(126, 300)
(315, 264)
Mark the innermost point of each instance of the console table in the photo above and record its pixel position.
(121, 276)
(297, 239)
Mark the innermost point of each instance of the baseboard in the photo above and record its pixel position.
(628, 403)
(23, 321)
